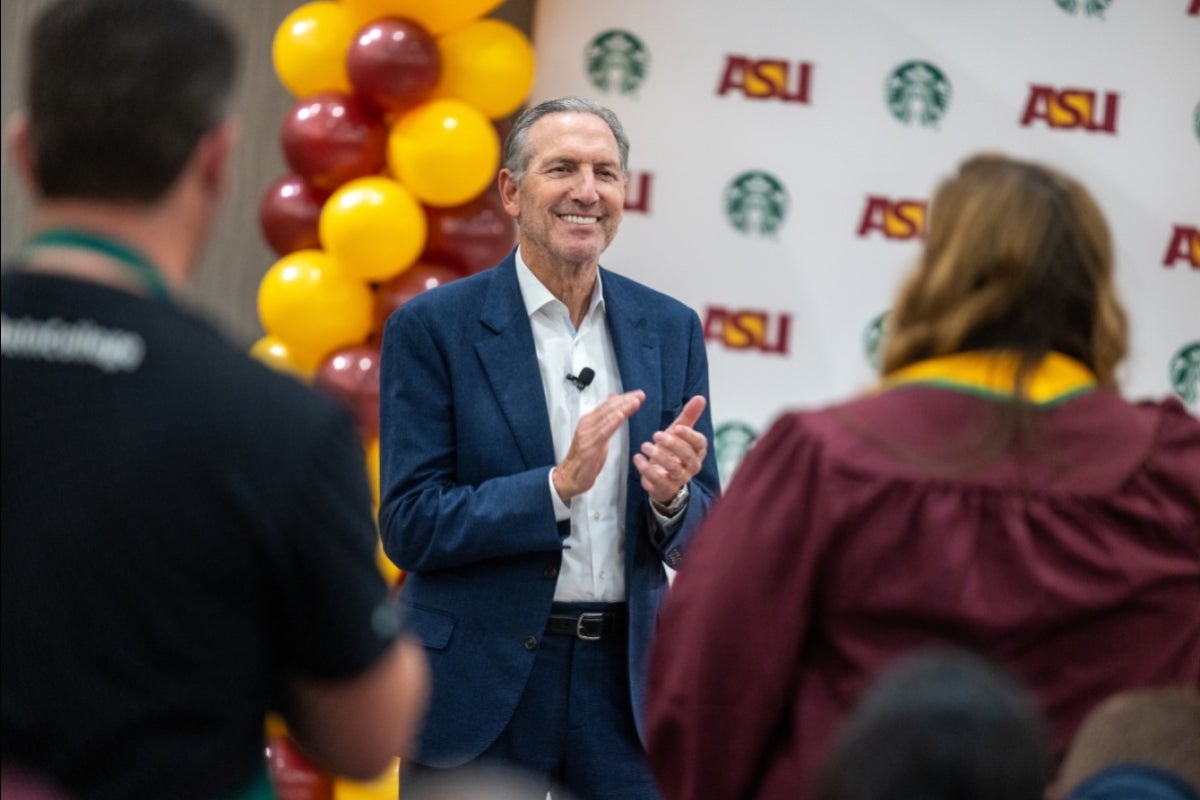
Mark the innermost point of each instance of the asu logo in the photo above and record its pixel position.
(766, 78)
(1068, 109)
(741, 329)
(895, 219)
(1184, 246)
(617, 62)
(637, 195)
(1184, 373)
(873, 339)
(917, 92)
(731, 440)
(1093, 8)
(756, 203)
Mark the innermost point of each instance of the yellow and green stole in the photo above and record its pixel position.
(992, 374)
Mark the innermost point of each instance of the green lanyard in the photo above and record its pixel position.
(135, 262)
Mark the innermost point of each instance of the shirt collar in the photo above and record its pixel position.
(536, 296)
(992, 373)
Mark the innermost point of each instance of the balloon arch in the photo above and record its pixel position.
(393, 145)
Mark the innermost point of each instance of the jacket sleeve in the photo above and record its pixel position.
(705, 487)
(729, 637)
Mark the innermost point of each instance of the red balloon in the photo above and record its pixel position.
(331, 138)
(292, 775)
(470, 237)
(351, 376)
(288, 215)
(397, 291)
(393, 64)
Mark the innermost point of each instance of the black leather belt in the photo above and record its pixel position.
(591, 626)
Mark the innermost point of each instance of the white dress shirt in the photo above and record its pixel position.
(593, 564)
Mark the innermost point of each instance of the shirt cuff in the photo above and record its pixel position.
(680, 503)
(562, 511)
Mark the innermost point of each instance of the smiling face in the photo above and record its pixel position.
(569, 201)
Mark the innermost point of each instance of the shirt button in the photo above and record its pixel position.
(550, 572)
(531, 643)
(603, 574)
(596, 515)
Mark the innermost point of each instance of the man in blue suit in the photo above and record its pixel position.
(544, 443)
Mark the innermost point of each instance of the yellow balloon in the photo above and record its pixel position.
(307, 303)
(373, 228)
(373, 467)
(309, 49)
(489, 64)
(272, 351)
(436, 16)
(446, 151)
(391, 573)
(385, 787)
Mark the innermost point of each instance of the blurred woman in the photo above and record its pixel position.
(996, 494)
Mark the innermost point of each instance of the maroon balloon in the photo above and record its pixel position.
(331, 138)
(351, 376)
(293, 776)
(289, 214)
(471, 237)
(393, 64)
(395, 292)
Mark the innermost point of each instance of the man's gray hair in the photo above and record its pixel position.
(516, 147)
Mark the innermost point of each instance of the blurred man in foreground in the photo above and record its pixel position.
(187, 536)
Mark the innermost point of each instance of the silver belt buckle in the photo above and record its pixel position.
(585, 618)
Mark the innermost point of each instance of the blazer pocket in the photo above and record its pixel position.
(432, 627)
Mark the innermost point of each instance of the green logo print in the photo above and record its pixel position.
(918, 93)
(617, 62)
(1093, 8)
(1184, 373)
(873, 337)
(732, 441)
(756, 203)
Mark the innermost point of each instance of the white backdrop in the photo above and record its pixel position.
(738, 111)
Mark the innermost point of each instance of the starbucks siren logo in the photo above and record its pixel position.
(1185, 373)
(755, 202)
(1093, 8)
(918, 92)
(617, 62)
(732, 440)
(873, 340)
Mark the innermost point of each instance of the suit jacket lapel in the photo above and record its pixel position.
(509, 359)
(637, 350)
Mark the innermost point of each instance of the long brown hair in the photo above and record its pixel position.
(1018, 257)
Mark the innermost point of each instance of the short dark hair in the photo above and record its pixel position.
(941, 724)
(516, 150)
(120, 92)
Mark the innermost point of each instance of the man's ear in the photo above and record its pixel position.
(20, 144)
(508, 193)
(215, 157)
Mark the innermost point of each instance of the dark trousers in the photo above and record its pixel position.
(572, 733)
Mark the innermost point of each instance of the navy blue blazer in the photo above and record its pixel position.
(465, 508)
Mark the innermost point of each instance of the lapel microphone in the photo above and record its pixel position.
(583, 379)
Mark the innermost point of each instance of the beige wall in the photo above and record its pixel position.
(237, 257)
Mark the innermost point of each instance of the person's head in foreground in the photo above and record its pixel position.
(941, 724)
